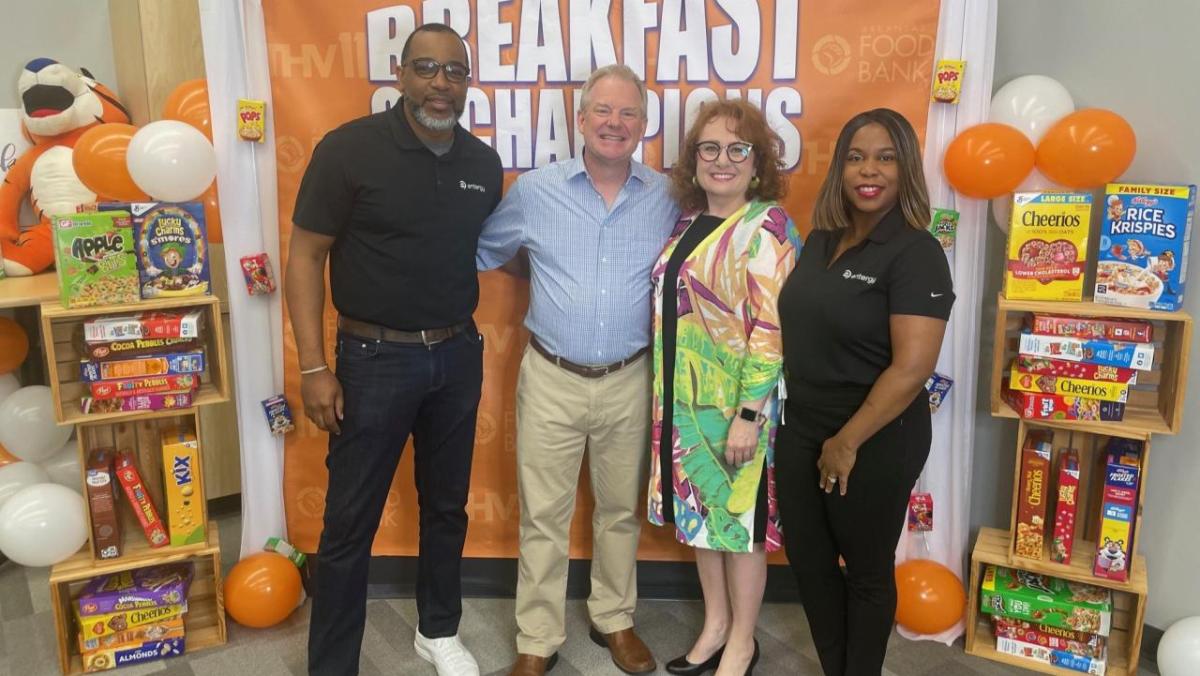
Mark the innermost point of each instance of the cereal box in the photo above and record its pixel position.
(944, 227)
(1075, 369)
(947, 80)
(1080, 643)
(1041, 599)
(938, 387)
(132, 653)
(1144, 245)
(99, 626)
(1031, 502)
(1128, 330)
(920, 512)
(102, 504)
(1059, 658)
(185, 492)
(1139, 356)
(137, 402)
(181, 363)
(1050, 384)
(94, 255)
(139, 500)
(1047, 246)
(144, 325)
(251, 122)
(279, 415)
(127, 387)
(256, 269)
(147, 632)
(172, 249)
(1034, 406)
(151, 587)
(1065, 508)
(131, 347)
(1119, 510)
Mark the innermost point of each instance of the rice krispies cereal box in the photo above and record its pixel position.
(94, 256)
(1031, 501)
(1041, 599)
(184, 490)
(1047, 246)
(172, 247)
(150, 587)
(132, 653)
(1144, 242)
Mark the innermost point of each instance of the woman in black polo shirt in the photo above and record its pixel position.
(863, 315)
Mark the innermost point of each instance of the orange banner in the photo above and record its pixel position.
(809, 64)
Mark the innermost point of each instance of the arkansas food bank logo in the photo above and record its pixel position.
(831, 54)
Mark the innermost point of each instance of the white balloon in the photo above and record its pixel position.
(1002, 206)
(1032, 104)
(27, 426)
(43, 524)
(63, 467)
(1179, 649)
(171, 161)
(17, 475)
(8, 385)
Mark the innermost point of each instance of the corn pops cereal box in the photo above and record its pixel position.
(184, 490)
(1144, 245)
(1047, 246)
(947, 80)
(94, 256)
(251, 122)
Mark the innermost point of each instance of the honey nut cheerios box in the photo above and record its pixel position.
(94, 256)
(1047, 246)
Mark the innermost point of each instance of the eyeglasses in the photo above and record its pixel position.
(427, 69)
(737, 153)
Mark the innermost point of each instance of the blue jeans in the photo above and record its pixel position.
(390, 390)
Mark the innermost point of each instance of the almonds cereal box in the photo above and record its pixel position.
(1047, 246)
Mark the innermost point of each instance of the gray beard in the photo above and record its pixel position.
(430, 122)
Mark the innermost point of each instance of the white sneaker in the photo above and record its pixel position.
(448, 655)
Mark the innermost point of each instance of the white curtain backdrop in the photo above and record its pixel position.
(235, 59)
(967, 31)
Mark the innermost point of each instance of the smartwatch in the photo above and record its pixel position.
(748, 414)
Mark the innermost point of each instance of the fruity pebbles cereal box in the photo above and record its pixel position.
(93, 253)
(1047, 246)
(1144, 245)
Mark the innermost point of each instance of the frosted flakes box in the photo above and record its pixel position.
(1047, 246)
(94, 256)
(1144, 245)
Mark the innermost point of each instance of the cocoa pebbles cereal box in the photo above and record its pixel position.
(93, 253)
(1144, 245)
(1047, 246)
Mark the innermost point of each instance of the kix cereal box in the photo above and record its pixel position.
(1047, 246)
(1144, 245)
(184, 490)
(94, 256)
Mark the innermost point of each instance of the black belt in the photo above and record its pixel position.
(580, 369)
(376, 332)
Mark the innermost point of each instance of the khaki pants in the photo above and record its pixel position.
(558, 413)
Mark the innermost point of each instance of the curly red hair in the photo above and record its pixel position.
(750, 125)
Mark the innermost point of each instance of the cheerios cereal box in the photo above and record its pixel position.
(94, 256)
(184, 489)
(1047, 246)
(1144, 245)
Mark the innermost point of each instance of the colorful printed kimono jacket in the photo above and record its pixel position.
(728, 351)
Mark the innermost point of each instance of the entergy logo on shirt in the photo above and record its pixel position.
(463, 185)
(858, 276)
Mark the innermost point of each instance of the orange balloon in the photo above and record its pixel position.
(929, 597)
(1087, 149)
(212, 214)
(99, 161)
(6, 458)
(262, 589)
(189, 103)
(14, 345)
(988, 160)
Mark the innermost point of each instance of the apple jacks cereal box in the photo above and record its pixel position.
(93, 253)
(1144, 245)
(1047, 246)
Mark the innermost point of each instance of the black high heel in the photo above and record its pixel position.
(680, 665)
(753, 660)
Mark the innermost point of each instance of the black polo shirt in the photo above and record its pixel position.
(834, 318)
(407, 221)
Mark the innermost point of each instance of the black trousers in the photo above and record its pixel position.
(850, 614)
(391, 390)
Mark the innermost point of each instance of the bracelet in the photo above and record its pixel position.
(308, 372)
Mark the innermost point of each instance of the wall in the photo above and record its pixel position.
(1139, 60)
(74, 32)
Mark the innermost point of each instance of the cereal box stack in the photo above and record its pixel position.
(1144, 245)
(142, 362)
(1076, 368)
(1122, 473)
(171, 242)
(132, 616)
(1052, 621)
(1047, 246)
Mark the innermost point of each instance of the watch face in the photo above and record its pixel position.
(749, 415)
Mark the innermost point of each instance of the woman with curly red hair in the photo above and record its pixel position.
(717, 356)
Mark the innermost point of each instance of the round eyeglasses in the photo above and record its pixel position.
(737, 152)
(427, 69)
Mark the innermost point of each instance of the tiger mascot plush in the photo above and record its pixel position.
(58, 104)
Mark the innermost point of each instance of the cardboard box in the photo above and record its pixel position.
(1087, 645)
(1067, 387)
(184, 488)
(144, 325)
(1138, 356)
(1057, 658)
(1031, 501)
(1075, 369)
(1047, 246)
(139, 500)
(1144, 242)
(181, 363)
(94, 256)
(1066, 507)
(151, 587)
(1122, 472)
(102, 503)
(148, 632)
(133, 653)
(1035, 406)
(137, 402)
(1126, 330)
(1021, 595)
(172, 247)
(129, 387)
(99, 626)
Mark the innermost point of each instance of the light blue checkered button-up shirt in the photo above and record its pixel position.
(589, 265)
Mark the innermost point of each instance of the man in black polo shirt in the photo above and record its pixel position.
(396, 201)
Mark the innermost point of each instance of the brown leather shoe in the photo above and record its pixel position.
(628, 652)
(532, 665)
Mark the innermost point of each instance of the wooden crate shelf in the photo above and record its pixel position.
(59, 325)
(143, 438)
(1156, 402)
(1129, 608)
(204, 623)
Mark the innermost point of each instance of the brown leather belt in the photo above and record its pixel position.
(376, 332)
(581, 370)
